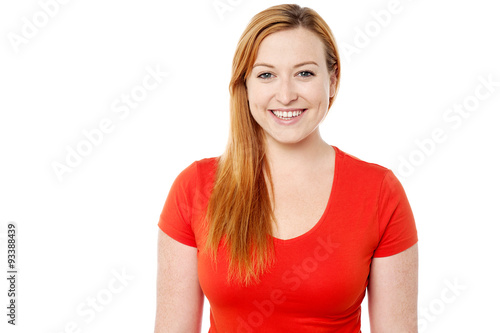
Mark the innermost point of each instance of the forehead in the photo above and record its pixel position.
(291, 46)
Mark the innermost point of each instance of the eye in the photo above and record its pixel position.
(265, 76)
(306, 74)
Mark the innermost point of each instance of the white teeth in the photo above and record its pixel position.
(287, 114)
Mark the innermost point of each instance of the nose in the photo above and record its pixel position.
(286, 92)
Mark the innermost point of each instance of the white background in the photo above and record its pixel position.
(100, 219)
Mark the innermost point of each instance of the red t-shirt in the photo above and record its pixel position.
(320, 277)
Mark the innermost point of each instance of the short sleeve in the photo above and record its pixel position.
(175, 218)
(397, 229)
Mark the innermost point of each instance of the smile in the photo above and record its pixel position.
(287, 115)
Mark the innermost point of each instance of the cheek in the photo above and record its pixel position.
(317, 94)
(257, 96)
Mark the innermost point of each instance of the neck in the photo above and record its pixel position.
(296, 158)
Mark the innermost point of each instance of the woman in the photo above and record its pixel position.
(284, 232)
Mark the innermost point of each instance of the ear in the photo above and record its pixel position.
(333, 80)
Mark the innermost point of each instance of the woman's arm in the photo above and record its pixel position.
(179, 298)
(392, 293)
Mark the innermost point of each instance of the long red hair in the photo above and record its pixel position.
(239, 210)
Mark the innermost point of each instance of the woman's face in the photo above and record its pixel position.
(289, 86)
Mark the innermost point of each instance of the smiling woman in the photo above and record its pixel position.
(285, 232)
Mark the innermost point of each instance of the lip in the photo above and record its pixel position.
(283, 109)
(287, 122)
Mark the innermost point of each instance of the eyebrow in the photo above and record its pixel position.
(298, 65)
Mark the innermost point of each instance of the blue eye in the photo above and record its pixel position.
(265, 76)
(306, 73)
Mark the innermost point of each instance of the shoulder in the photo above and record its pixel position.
(198, 174)
(357, 169)
(207, 164)
(199, 167)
